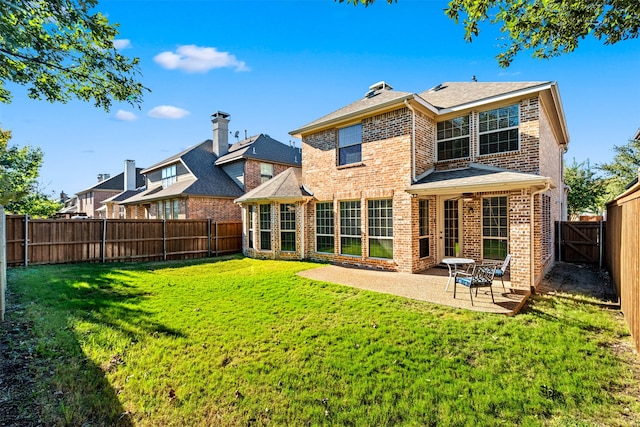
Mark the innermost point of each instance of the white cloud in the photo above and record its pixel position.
(167, 112)
(125, 116)
(122, 43)
(196, 59)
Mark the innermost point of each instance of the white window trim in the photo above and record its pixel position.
(498, 130)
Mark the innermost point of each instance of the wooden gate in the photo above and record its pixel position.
(581, 242)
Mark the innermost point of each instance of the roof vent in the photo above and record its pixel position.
(380, 86)
(435, 88)
(375, 89)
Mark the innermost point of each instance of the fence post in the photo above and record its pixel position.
(26, 240)
(164, 239)
(209, 237)
(601, 243)
(3, 261)
(104, 239)
(216, 241)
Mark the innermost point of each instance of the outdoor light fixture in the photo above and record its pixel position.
(467, 197)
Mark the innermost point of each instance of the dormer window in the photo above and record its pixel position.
(169, 176)
(350, 145)
(498, 130)
(453, 138)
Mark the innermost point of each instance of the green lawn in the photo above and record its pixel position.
(248, 342)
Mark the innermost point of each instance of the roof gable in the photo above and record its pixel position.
(262, 147)
(286, 186)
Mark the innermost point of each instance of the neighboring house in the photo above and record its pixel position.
(69, 207)
(112, 207)
(90, 200)
(399, 181)
(203, 181)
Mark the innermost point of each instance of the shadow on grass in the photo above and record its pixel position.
(72, 389)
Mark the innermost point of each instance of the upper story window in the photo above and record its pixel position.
(169, 176)
(498, 130)
(453, 138)
(350, 145)
(266, 172)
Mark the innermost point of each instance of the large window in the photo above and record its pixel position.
(265, 227)
(423, 220)
(350, 235)
(498, 130)
(380, 214)
(495, 221)
(250, 211)
(176, 209)
(266, 172)
(453, 138)
(324, 227)
(169, 176)
(350, 145)
(288, 227)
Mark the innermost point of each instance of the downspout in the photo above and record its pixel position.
(413, 141)
(531, 238)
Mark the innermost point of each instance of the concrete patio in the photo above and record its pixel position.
(428, 285)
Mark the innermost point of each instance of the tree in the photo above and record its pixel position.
(623, 169)
(586, 190)
(61, 50)
(18, 169)
(36, 205)
(548, 27)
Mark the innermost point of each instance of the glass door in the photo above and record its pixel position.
(451, 228)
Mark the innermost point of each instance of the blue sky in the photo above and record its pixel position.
(277, 65)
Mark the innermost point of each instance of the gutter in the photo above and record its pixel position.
(413, 140)
(531, 237)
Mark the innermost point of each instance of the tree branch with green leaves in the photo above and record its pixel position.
(61, 50)
(548, 28)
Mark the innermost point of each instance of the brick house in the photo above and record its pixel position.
(203, 180)
(399, 181)
(90, 201)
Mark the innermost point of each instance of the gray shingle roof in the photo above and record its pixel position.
(122, 196)
(286, 186)
(262, 147)
(208, 179)
(115, 182)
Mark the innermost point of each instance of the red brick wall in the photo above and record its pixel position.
(209, 207)
(252, 173)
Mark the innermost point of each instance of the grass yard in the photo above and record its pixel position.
(246, 342)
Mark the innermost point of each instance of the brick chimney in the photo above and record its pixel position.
(220, 122)
(129, 175)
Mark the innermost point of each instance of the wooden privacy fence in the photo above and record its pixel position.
(44, 241)
(581, 242)
(623, 255)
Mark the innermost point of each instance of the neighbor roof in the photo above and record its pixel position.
(115, 182)
(476, 178)
(206, 179)
(262, 147)
(286, 186)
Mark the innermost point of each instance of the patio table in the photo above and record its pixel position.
(452, 264)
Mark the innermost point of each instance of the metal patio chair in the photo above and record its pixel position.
(481, 277)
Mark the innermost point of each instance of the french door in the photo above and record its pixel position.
(449, 228)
